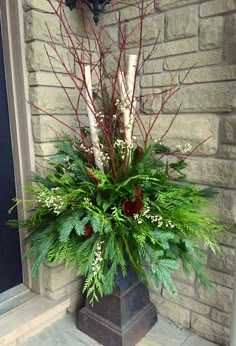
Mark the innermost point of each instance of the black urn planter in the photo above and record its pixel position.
(122, 318)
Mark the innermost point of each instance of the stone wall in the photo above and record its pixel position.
(46, 92)
(200, 35)
(197, 33)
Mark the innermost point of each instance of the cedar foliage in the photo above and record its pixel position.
(164, 236)
(139, 209)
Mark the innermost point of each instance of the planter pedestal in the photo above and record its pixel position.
(122, 318)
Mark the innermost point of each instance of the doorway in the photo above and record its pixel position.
(10, 254)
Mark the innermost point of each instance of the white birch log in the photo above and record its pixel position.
(126, 104)
(121, 80)
(92, 120)
(123, 96)
(130, 81)
(127, 89)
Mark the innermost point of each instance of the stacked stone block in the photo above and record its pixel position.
(46, 92)
(199, 35)
(196, 47)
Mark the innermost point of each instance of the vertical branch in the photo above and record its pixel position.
(126, 91)
(130, 79)
(92, 120)
(128, 101)
(91, 59)
(122, 86)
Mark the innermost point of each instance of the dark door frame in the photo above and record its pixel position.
(12, 15)
(10, 264)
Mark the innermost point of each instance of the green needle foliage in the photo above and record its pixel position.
(149, 216)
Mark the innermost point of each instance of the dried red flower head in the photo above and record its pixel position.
(92, 177)
(88, 229)
(139, 152)
(138, 192)
(130, 207)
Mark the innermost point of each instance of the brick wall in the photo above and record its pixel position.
(191, 32)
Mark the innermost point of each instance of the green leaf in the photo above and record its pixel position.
(69, 221)
(163, 238)
(178, 166)
(161, 148)
(208, 192)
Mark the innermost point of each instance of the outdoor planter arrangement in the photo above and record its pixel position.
(115, 206)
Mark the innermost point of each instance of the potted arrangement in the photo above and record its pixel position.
(111, 201)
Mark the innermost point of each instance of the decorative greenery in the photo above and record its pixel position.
(86, 219)
(109, 197)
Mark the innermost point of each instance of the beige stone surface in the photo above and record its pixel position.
(153, 27)
(110, 18)
(66, 290)
(169, 4)
(209, 329)
(129, 12)
(212, 97)
(110, 36)
(227, 151)
(230, 39)
(38, 60)
(209, 74)
(185, 289)
(223, 261)
(151, 104)
(46, 27)
(41, 165)
(194, 60)
(225, 205)
(211, 33)
(229, 239)
(220, 278)
(183, 277)
(41, 78)
(228, 130)
(109, 65)
(153, 66)
(30, 319)
(54, 101)
(194, 340)
(182, 23)
(42, 26)
(158, 80)
(186, 45)
(172, 311)
(188, 303)
(186, 129)
(118, 6)
(220, 297)
(164, 333)
(217, 7)
(55, 278)
(215, 172)
(221, 317)
(45, 149)
(45, 129)
(37, 4)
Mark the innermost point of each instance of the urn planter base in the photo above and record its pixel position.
(122, 318)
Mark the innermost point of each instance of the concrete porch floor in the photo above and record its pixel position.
(64, 333)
